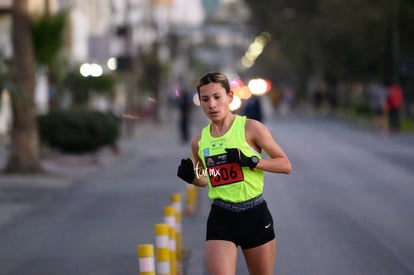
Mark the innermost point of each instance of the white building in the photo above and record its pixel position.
(93, 29)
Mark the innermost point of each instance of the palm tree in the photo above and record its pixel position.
(24, 155)
(48, 32)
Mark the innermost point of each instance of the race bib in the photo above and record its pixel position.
(221, 172)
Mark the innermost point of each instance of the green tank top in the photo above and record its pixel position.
(229, 181)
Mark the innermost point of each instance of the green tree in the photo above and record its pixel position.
(355, 39)
(152, 77)
(406, 23)
(345, 40)
(290, 56)
(47, 31)
(24, 155)
(81, 87)
(48, 41)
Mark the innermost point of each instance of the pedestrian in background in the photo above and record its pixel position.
(378, 101)
(227, 157)
(253, 108)
(394, 104)
(184, 105)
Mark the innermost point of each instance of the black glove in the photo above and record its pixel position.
(236, 155)
(186, 170)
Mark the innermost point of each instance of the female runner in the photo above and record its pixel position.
(227, 157)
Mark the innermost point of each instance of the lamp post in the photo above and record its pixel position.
(395, 39)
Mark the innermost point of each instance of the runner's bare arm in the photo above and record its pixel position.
(200, 178)
(259, 136)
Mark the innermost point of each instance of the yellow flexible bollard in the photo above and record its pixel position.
(191, 199)
(173, 251)
(146, 259)
(179, 235)
(169, 219)
(163, 261)
(169, 216)
(176, 203)
(162, 245)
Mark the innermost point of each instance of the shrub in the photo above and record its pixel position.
(78, 131)
(362, 110)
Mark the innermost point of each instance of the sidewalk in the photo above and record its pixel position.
(20, 193)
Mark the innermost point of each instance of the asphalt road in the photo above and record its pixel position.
(347, 207)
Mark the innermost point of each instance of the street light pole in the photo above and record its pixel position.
(395, 39)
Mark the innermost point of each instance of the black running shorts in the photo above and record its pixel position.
(246, 229)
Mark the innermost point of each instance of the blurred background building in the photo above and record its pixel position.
(100, 31)
(122, 36)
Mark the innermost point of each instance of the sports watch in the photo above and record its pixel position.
(255, 161)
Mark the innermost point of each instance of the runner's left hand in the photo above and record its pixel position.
(236, 155)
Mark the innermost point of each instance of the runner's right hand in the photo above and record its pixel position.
(186, 170)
